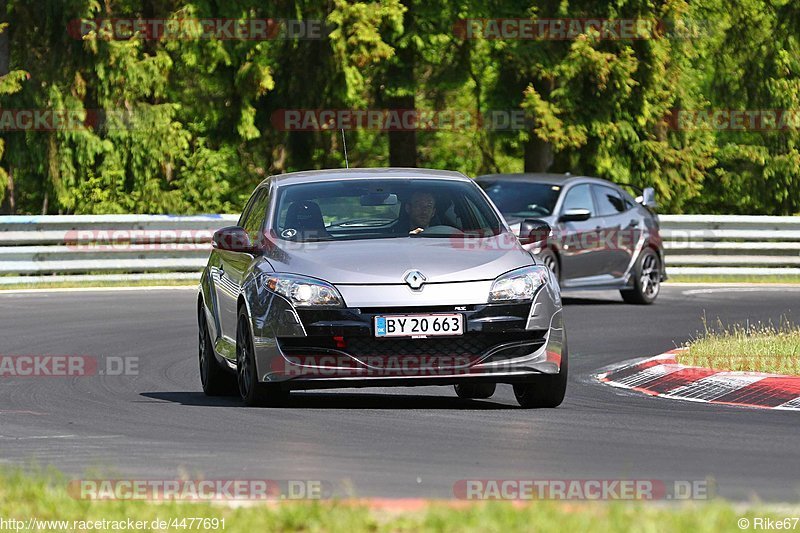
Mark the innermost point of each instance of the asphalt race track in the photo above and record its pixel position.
(403, 442)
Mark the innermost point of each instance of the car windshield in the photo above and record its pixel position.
(367, 208)
(520, 199)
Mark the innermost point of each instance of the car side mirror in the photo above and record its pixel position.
(575, 215)
(648, 198)
(232, 239)
(533, 231)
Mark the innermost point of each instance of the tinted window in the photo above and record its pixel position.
(246, 209)
(522, 199)
(609, 201)
(343, 210)
(628, 193)
(255, 216)
(379, 208)
(579, 197)
(629, 203)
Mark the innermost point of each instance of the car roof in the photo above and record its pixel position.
(540, 177)
(310, 176)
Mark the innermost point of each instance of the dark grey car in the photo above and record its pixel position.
(602, 237)
(377, 277)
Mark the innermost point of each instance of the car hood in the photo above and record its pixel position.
(386, 261)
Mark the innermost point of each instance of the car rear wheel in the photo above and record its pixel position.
(646, 279)
(216, 381)
(475, 391)
(545, 390)
(252, 392)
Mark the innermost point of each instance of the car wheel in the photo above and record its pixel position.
(475, 391)
(545, 390)
(550, 260)
(216, 381)
(252, 392)
(646, 280)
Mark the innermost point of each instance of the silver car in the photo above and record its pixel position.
(377, 277)
(602, 237)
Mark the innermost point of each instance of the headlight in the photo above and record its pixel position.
(304, 292)
(518, 285)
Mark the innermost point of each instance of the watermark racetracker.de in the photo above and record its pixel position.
(221, 29)
(200, 489)
(192, 523)
(760, 120)
(400, 120)
(136, 240)
(584, 489)
(66, 366)
(569, 29)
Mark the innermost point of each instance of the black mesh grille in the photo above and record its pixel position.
(464, 345)
(471, 344)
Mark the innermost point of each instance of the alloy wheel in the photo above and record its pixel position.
(244, 372)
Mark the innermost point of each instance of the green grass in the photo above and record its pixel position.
(733, 279)
(754, 348)
(45, 497)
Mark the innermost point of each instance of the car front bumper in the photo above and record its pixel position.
(329, 348)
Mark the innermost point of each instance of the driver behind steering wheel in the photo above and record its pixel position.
(420, 209)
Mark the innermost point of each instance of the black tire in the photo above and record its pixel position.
(475, 391)
(545, 390)
(646, 279)
(550, 260)
(253, 392)
(215, 380)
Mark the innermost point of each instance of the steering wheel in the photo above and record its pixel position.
(442, 229)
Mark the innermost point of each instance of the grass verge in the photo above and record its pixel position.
(45, 498)
(753, 348)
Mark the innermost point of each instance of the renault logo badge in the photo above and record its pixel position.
(415, 279)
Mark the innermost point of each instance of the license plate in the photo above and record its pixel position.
(419, 325)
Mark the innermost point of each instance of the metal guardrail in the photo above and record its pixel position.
(105, 247)
(731, 244)
(129, 247)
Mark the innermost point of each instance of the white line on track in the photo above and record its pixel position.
(741, 289)
(41, 437)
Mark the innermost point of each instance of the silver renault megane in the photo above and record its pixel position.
(378, 277)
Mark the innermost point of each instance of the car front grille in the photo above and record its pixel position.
(470, 344)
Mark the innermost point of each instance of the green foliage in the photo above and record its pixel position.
(356, 38)
(184, 125)
(755, 69)
(10, 83)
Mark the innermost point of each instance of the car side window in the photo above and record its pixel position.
(629, 203)
(246, 209)
(579, 197)
(471, 217)
(254, 218)
(609, 201)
